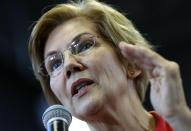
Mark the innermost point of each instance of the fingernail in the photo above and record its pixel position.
(122, 44)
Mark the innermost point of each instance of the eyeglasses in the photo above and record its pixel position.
(53, 63)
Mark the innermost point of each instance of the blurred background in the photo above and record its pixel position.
(165, 23)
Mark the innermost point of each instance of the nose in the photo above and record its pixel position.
(71, 65)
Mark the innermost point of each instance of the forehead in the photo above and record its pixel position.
(61, 36)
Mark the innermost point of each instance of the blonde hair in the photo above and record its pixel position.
(109, 23)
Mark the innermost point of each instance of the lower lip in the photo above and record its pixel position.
(83, 91)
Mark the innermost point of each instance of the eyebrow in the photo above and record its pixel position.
(50, 54)
(74, 39)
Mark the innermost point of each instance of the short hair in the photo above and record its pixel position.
(109, 22)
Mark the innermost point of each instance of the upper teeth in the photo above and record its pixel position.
(80, 86)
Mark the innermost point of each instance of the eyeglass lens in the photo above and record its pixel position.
(54, 63)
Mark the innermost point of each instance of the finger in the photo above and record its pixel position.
(143, 57)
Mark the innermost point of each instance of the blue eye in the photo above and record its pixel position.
(53, 63)
(54, 60)
(84, 46)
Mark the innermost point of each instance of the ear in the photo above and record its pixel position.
(133, 71)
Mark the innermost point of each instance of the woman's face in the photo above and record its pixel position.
(90, 80)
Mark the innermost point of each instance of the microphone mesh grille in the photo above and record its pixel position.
(56, 111)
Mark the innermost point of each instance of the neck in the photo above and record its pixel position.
(119, 116)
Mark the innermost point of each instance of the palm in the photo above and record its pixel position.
(166, 86)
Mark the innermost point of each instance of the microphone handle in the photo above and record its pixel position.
(57, 125)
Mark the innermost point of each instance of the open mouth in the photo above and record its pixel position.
(80, 85)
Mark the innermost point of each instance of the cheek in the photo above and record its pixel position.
(58, 89)
(107, 69)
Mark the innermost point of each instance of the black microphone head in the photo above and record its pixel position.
(56, 112)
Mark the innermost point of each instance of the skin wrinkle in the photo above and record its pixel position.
(119, 89)
(105, 102)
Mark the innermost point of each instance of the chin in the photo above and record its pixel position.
(89, 108)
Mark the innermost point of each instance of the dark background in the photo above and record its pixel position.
(164, 22)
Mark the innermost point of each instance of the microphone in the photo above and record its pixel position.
(56, 118)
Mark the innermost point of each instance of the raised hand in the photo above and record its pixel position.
(167, 96)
